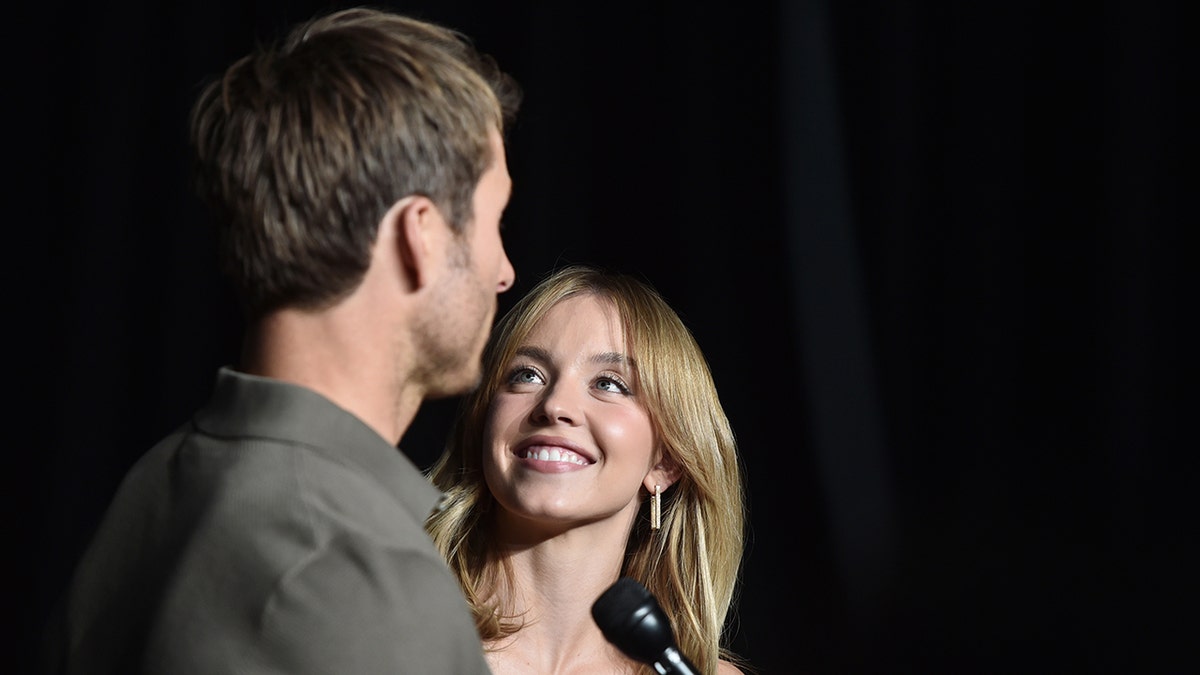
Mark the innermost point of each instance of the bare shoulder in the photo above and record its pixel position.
(727, 668)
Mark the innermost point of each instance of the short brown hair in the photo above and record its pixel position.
(303, 145)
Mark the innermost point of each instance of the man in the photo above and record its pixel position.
(358, 172)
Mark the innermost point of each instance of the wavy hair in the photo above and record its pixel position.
(692, 564)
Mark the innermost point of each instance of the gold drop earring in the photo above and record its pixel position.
(656, 508)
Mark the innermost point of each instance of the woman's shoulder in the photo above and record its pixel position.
(727, 668)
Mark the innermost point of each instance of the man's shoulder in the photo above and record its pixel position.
(404, 602)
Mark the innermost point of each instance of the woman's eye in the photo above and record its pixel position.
(612, 385)
(524, 375)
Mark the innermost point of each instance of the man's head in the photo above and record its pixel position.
(452, 336)
(303, 146)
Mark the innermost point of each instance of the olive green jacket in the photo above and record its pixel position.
(273, 533)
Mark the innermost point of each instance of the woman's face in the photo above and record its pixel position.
(567, 441)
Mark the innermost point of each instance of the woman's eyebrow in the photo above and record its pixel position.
(536, 353)
(613, 358)
(605, 358)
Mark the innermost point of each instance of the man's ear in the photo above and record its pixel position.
(664, 474)
(418, 238)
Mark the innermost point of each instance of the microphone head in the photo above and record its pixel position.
(631, 619)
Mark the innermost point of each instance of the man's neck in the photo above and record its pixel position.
(337, 358)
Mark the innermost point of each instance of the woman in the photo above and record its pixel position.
(596, 404)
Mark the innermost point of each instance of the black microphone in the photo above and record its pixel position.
(631, 619)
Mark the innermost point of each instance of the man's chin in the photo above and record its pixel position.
(463, 383)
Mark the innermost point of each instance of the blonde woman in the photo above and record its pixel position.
(595, 448)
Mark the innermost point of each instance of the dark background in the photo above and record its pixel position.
(932, 251)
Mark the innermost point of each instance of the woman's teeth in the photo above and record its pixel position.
(555, 455)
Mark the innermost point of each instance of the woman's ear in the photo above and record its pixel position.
(664, 474)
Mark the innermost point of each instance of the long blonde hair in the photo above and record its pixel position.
(692, 564)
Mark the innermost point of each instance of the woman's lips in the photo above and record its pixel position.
(552, 454)
(552, 450)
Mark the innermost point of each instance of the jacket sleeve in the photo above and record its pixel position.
(356, 607)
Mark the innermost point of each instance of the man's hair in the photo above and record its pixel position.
(304, 144)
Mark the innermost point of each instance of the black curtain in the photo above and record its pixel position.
(931, 250)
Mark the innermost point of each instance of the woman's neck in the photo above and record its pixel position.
(556, 581)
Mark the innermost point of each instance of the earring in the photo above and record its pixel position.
(656, 508)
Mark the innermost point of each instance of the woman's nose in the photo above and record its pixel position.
(557, 405)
